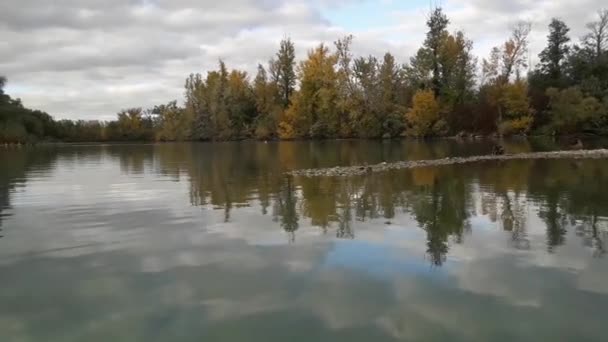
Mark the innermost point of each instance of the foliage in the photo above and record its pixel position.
(335, 94)
(314, 111)
(571, 111)
(423, 118)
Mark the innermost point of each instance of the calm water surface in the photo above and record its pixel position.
(212, 242)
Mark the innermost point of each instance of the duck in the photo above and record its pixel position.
(498, 150)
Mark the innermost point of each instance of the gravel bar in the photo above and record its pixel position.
(412, 164)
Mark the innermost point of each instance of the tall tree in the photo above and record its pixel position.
(197, 107)
(314, 111)
(347, 101)
(240, 105)
(267, 104)
(554, 55)
(390, 114)
(437, 24)
(365, 114)
(285, 70)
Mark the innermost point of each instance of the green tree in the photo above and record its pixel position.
(571, 111)
(554, 55)
(437, 24)
(240, 105)
(365, 116)
(268, 105)
(197, 107)
(285, 70)
(390, 112)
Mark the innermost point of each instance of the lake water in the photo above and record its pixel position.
(213, 242)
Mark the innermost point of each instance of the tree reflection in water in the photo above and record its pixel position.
(564, 195)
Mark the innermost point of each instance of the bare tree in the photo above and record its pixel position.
(597, 38)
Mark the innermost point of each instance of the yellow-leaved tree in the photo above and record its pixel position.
(314, 111)
(423, 118)
(518, 115)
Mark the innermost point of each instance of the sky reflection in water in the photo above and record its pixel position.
(213, 242)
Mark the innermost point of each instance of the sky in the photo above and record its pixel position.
(88, 59)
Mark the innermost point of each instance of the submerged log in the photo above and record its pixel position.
(358, 170)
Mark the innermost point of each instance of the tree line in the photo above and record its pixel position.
(442, 90)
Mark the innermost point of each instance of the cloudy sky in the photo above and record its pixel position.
(87, 59)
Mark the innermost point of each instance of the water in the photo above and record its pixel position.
(212, 242)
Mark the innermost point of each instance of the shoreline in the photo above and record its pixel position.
(458, 137)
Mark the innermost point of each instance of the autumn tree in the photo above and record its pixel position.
(504, 62)
(445, 64)
(175, 122)
(314, 112)
(346, 89)
(423, 118)
(515, 104)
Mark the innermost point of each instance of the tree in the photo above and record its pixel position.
(240, 105)
(347, 101)
(423, 118)
(571, 111)
(458, 68)
(554, 55)
(597, 38)
(285, 70)
(437, 24)
(390, 113)
(515, 102)
(267, 105)
(314, 112)
(2, 84)
(366, 97)
(505, 61)
(445, 64)
(197, 107)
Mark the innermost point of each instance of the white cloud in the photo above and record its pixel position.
(91, 58)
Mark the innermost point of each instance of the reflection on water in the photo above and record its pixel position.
(214, 242)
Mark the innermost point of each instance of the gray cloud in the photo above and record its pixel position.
(91, 58)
